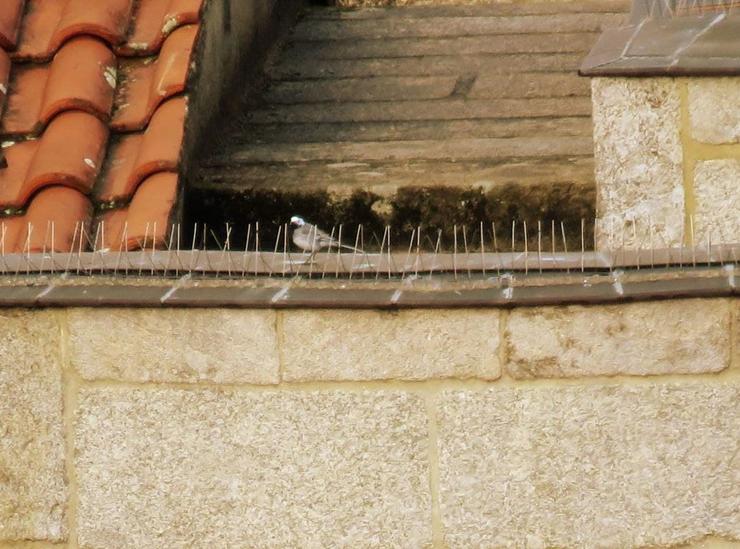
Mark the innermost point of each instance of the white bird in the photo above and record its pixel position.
(310, 238)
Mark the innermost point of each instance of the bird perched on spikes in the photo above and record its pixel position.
(310, 238)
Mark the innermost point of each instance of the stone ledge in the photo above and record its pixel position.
(174, 345)
(367, 345)
(663, 337)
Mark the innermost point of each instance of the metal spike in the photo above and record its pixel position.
(526, 249)
(499, 264)
(380, 254)
(408, 254)
(285, 249)
(465, 244)
(565, 244)
(454, 252)
(482, 249)
(277, 243)
(339, 250)
(436, 251)
(583, 245)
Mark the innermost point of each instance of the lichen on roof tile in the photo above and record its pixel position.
(60, 74)
(48, 25)
(55, 218)
(155, 20)
(75, 80)
(69, 153)
(137, 156)
(146, 221)
(10, 20)
(145, 85)
(4, 78)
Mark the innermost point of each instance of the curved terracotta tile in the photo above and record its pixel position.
(10, 19)
(148, 216)
(37, 30)
(4, 78)
(146, 221)
(25, 96)
(146, 85)
(109, 226)
(69, 153)
(117, 184)
(55, 217)
(13, 178)
(49, 24)
(138, 156)
(155, 20)
(82, 76)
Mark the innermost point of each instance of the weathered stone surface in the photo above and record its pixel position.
(590, 466)
(535, 84)
(452, 25)
(390, 88)
(33, 491)
(404, 151)
(714, 111)
(660, 337)
(639, 174)
(173, 468)
(717, 196)
(735, 360)
(357, 345)
(216, 345)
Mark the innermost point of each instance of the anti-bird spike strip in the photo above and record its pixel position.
(460, 250)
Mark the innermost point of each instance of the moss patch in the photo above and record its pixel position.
(434, 209)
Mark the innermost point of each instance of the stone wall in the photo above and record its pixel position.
(601, 426)
(667, 157)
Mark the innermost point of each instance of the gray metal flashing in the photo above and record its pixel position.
(493, 292)
(707, 44)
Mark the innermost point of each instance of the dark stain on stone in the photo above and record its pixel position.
(433, 209)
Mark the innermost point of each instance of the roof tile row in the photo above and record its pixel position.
(92, 118)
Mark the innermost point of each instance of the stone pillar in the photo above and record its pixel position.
(667, 160)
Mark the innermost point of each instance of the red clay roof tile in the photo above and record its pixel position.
(145, 85)
(138, 156)
(13, 178)
(48, 25)
(10, 19)
(69, 153)
(82, 76)
(145, 222)
(155, 20)
(4, 78)
(53, 220)
(67, 103)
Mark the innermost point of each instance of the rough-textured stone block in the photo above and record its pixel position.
(659, 337)
(416, 344)
(177, 345)
(736, 334)
(33, 491)
(173, 468)
(717, 195)
(714, 108)
(590, 466)
(638, 154)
